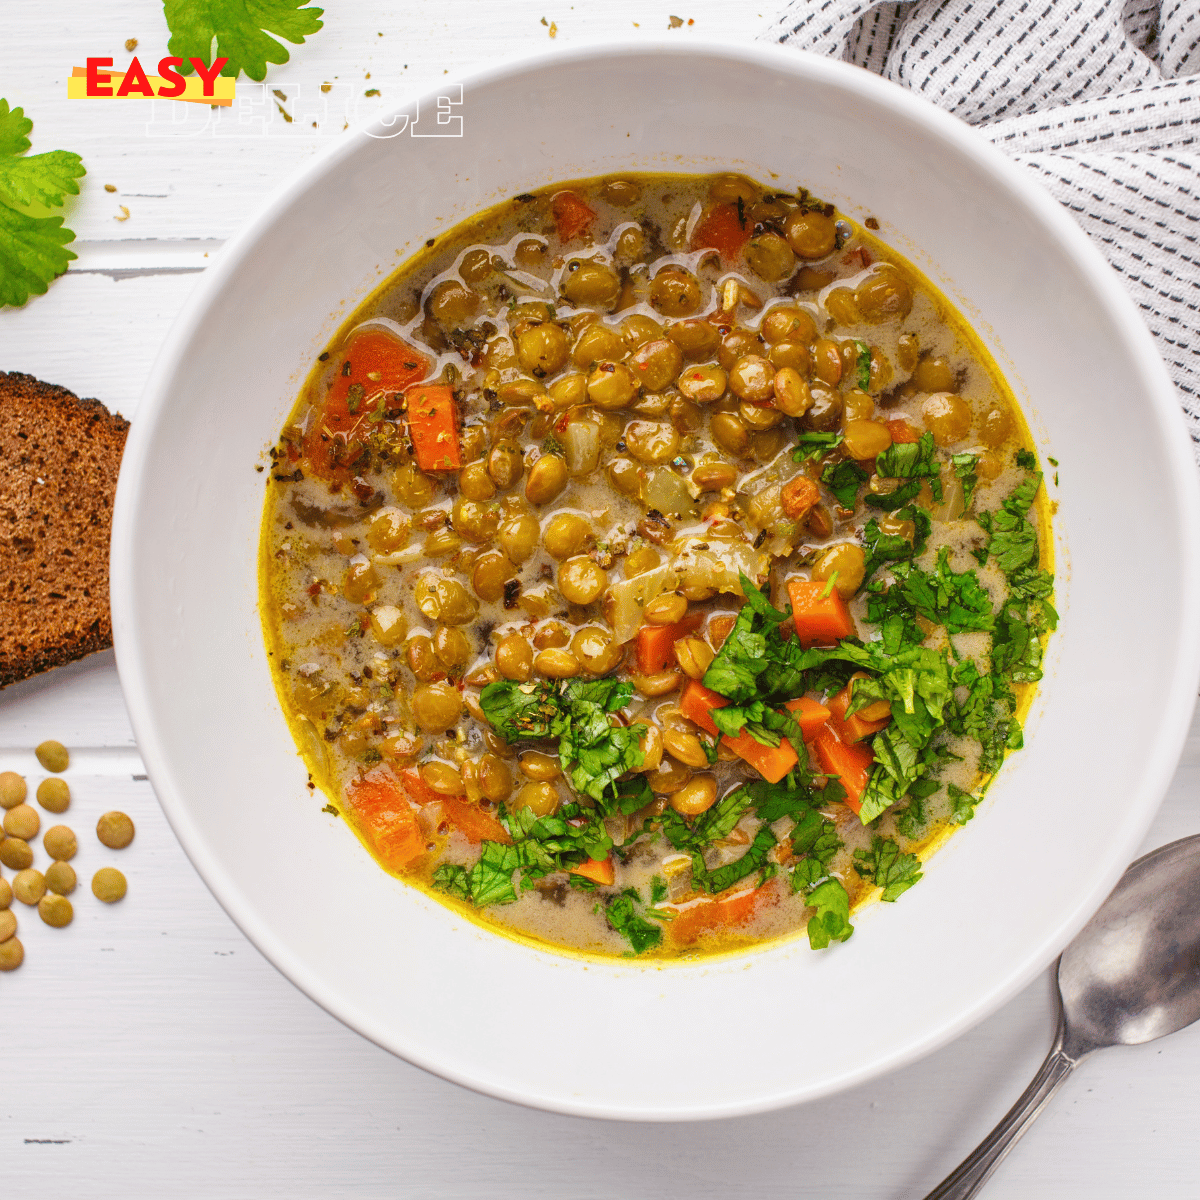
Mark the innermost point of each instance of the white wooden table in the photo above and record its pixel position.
(148, 1050)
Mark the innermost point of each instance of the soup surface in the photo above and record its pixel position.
(654, 566)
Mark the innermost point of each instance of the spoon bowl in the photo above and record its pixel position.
(1133, 972)
(1131, 975)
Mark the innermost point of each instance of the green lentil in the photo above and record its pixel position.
(115, 830)
(55, 910)
(8, 925)
(108, 884)
(5, 894)
(12, 954)
(54, 795)
(12, 789)
(60, 843)
(15, 853)
(60, 878)
(29, 886)
(53, 756)
(22, 822)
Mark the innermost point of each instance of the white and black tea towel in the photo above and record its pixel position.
(1100, 98)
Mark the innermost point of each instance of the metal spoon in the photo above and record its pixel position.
(1132, 975)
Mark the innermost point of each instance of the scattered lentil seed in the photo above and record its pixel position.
(15, 853)
(54, 756)
(5, 894)
(54, 795)
(55, 910)
(12, 789)
(60, 843)
(108, 884)
(115, 830)
(8, 925)
(60, 878)
(29, 886)
(12, 954)
(22, 822)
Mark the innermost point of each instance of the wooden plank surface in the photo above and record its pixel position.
(148, 1049)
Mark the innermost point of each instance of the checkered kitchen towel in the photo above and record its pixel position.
(1100, 98)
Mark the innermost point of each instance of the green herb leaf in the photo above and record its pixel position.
(962, 804)
(909, 460)
(623, 916)
(31, 245)
(864, 367)
(241, 29)
(814, 445)
(1026, 460)
(831, 922)
(886, 866)
(843, 480)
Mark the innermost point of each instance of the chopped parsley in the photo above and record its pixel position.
(843, 480)
(623, 916)
(887, 867)
(863, 365)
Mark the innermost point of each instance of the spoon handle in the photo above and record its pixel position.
(976, 1169)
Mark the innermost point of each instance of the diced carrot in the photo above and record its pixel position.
(419, 792)
(902, 431)
(572, 215)
(598, 870)
(821, 620)
(386, 818)
(852, 764)
(656, 643)
(855, 728)
(772, 762)
(374, 364)
(472, 822)
(433, 427)
(798, 497)
(696, 701)
(722, 230)
(810, 716)
(710, 913)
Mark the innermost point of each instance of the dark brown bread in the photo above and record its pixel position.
(59, 458)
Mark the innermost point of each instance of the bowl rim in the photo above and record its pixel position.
(962, 140)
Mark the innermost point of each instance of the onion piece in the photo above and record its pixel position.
(581, 444)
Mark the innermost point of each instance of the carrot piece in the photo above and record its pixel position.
(385, 818)
(810, 716)
(374, 364)
(696, 701)
(710, 913)
(599, 870)
(472, 822)
(772, 762)
(852, 764)
(656, 643)
(857, 727)
(572, 215)
(721, 229)
(902, 431)
(433, 427)
(820, 619)
(798, 497)
(419, 792)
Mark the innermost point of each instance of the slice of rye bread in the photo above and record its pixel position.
(59, 458)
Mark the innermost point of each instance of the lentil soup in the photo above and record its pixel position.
(656, 565)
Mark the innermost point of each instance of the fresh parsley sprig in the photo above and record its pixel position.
(241, 30)
(32, 242)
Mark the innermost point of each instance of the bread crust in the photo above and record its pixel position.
(59, 459)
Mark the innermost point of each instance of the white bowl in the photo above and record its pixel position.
(764, 1028)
